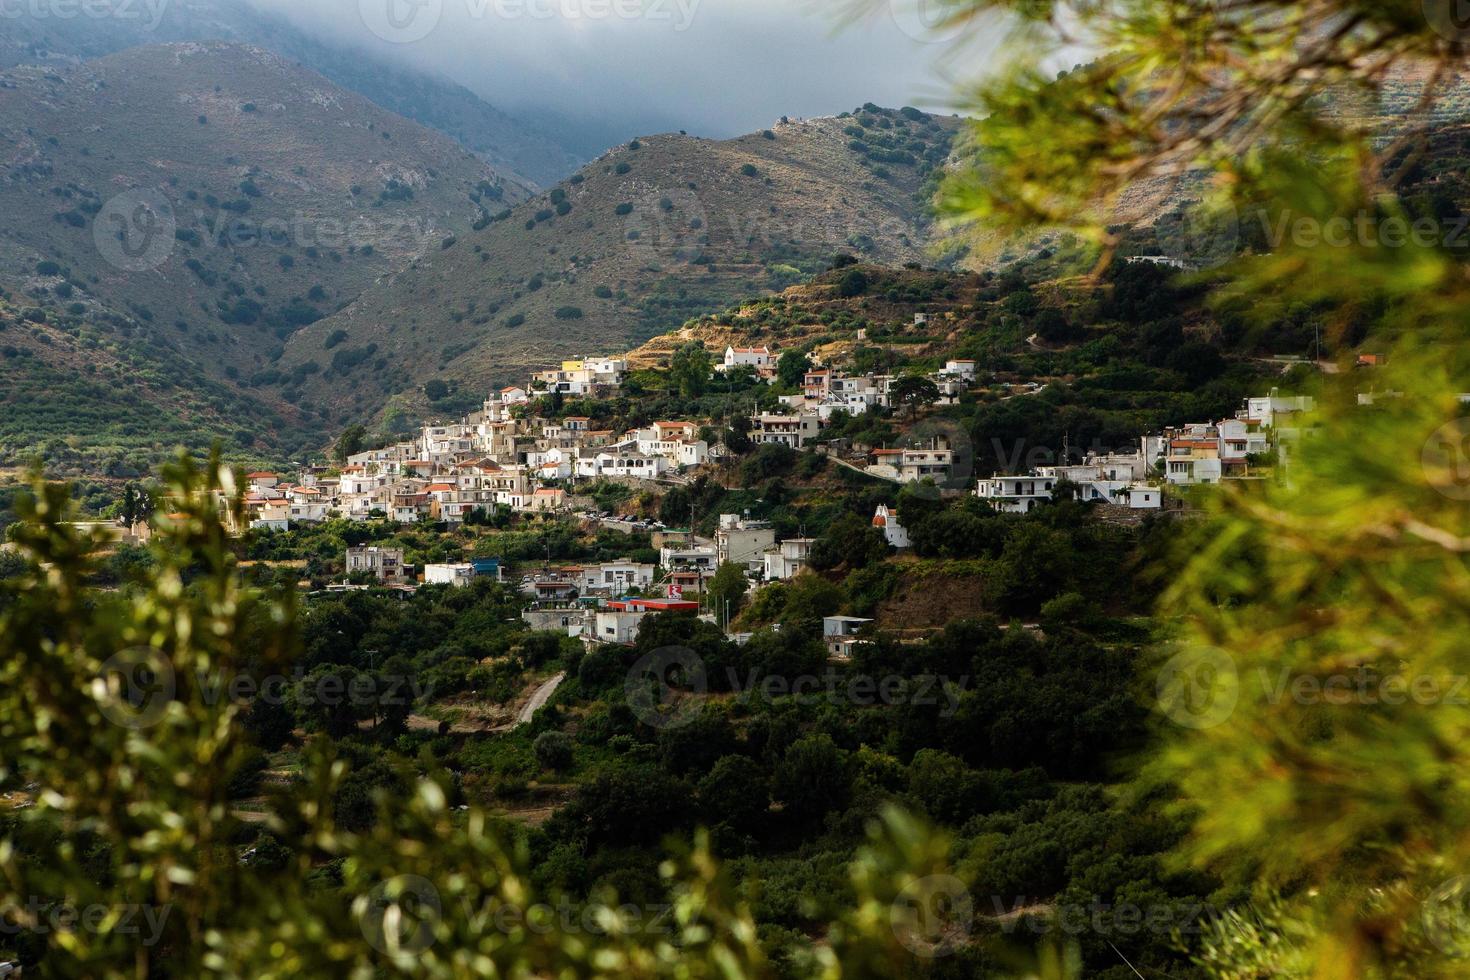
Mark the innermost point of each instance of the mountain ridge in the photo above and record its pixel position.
(658, 230)
(192, 204)
(507, 141)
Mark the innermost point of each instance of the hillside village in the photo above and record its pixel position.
(509, 458)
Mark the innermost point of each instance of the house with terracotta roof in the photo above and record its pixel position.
(674, 441)
(547, 500)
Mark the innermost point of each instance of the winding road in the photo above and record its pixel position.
(539, 699)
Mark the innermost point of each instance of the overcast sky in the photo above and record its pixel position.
(713, 67)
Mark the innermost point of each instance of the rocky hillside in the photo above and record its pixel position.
(508, 143)
(657, 231)
(207, 200)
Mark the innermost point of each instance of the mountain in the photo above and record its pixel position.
(657, 231)
(210, 199)
(508, 143)
(102, 399)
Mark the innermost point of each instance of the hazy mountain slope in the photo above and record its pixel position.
(100, 398)
(655, 232)
(214, 198)
(507, 143)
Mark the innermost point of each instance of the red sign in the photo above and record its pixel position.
(676, 591)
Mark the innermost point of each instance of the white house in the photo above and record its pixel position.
(787, 559)
(627, 463)
(616, 577)
(756, 357)
(460, 576)
(1142, 496)
(841, 634)
(911, 464)
(619, 622)
(674, 441)
(1015, 494)
(617, 626)
(1274, 409)
(698, 559)
(960, 369)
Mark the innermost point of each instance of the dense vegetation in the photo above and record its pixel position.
(785, 757)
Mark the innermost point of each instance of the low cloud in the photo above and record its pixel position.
(627, 67)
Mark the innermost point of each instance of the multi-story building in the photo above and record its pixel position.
(1118, 479)
(1015, 494)
(934, 460)
(384, 564)
(787, 559)
(1274, 410)
(785, 430)
(743, 542)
